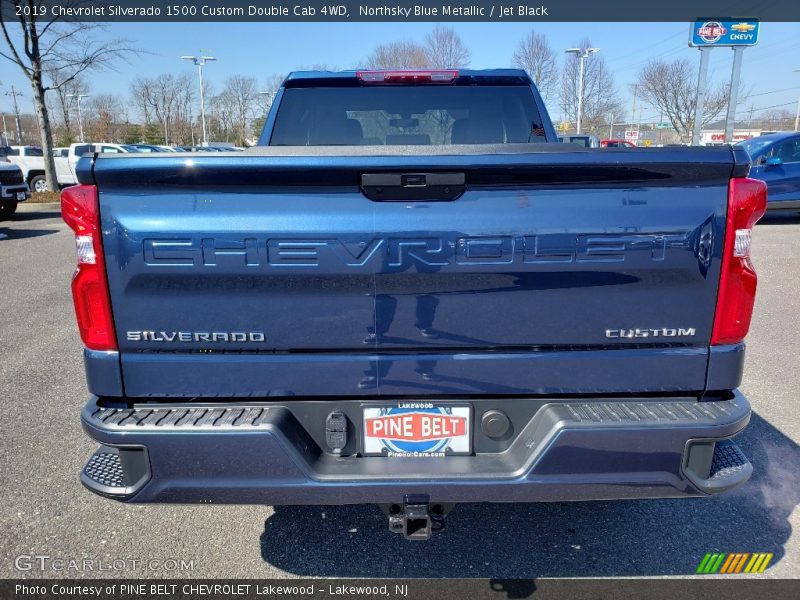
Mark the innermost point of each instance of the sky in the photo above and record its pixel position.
(262, 49)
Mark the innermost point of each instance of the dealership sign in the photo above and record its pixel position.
(724, 32)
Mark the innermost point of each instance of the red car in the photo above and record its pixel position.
(616, 144)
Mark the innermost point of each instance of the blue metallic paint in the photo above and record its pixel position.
(523, 297)
(103, 372)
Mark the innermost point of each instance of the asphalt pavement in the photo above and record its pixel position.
(46, 512)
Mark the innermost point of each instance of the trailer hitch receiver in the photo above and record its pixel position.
(416, 518)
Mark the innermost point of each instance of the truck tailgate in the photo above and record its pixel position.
(274, 274)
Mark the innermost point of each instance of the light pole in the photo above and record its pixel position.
(797, 116)
(80, 113)
(4, 133)
(583, 54)
(270, 97)
(14, 95)
(200, 61)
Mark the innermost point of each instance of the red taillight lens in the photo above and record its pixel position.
(437, 76)
(747, 202)
(80, 209)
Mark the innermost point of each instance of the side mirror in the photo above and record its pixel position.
(773, 162)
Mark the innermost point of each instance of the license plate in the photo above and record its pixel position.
(20, 196)
(410, 429)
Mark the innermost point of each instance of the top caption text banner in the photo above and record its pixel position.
(401, 11)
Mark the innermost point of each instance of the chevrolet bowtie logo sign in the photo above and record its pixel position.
(743, 27)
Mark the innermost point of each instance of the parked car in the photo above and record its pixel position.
(412, 295)
(103, 147)
(31, 161)
(13, 189)
(152, 148)
(583, 140)
(222, 147)
(206, 149)
(776, 161)
(616, 143)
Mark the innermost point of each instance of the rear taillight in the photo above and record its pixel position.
(747, 202)
(80, 209)
(435, 76)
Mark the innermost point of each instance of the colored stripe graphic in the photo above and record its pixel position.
(730, 560)
(711, 563)
(759, 562)
(703, 564)
(716, 564)
(765, 563)
(734, 562)
(741, 562)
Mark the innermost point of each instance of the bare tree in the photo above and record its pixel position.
(162, 100)
(266, 96)
(242, 94)
(672, 87)
(537, 57)
(141, 97)
(66, 93)
(599, 98)
(62, 49)
(445, 50)
(398, 55)
(221, 112)
(104, 114)
(775, 119)
(272, 86)
(184, 107)
(169, 100)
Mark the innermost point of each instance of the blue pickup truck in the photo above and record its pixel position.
(410, 295)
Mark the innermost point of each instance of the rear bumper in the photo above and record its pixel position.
(268, 453)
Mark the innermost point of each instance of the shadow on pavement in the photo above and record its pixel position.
(648, 537)
(7, 234)
(35, 215)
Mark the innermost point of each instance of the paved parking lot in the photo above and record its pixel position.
(45, 511)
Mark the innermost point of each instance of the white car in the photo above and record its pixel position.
(31, 161)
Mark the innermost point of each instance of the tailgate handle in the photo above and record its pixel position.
(403, 187)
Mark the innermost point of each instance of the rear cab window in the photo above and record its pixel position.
(388, 115)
